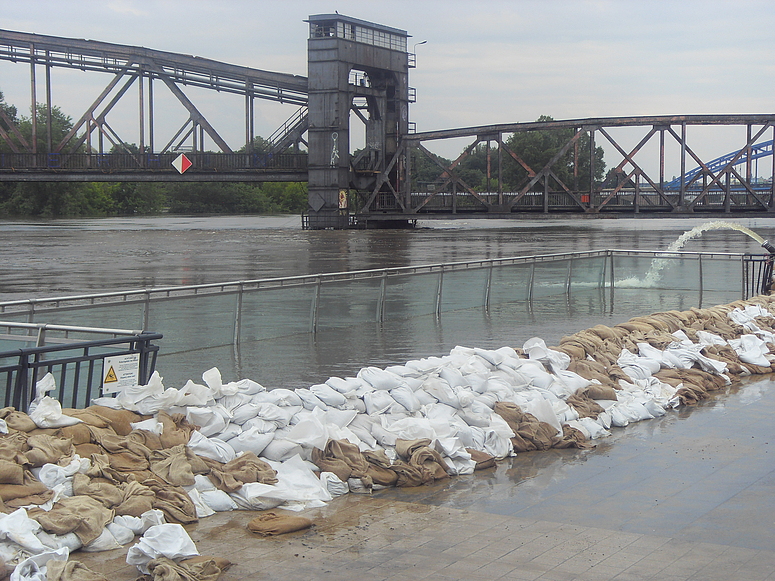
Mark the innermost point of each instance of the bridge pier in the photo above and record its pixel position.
(361, 67)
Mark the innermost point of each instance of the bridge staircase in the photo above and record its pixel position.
(290, 132)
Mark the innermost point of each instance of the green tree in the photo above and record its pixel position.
(61, 124)
(10, 112)
(537, 148)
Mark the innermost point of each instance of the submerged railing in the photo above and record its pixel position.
(258, 309)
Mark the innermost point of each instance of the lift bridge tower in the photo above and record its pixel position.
(360, 67)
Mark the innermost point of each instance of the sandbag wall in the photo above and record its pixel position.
(94, 478)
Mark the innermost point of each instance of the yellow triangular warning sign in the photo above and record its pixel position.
(111, 376)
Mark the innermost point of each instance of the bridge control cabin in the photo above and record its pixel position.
(359, 67)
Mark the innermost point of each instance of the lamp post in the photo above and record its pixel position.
(416, 44)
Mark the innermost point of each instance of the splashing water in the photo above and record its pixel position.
(658, 264)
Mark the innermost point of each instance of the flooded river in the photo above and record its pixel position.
(70, 257)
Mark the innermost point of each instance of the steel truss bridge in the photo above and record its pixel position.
(381, 178)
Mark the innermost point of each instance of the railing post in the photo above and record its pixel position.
(382, 294)
(238, 315)
(570, 273)
(531, 281)
(313, 323)
(699, 265)
(487, 289)
(147, 311)
(612, 283)
(439, 291)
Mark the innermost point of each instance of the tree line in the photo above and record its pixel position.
(72, 199)
(59, 199)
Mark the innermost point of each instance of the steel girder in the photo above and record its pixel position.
(128, 64)
(650, 191)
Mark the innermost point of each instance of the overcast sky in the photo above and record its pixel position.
(485, 61)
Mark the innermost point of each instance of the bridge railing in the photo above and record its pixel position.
(110, 162)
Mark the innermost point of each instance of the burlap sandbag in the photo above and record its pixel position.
(176, 429)
(71, 571)
(82, 515)
(242, 470)
(380, 469)
(28, 486)
(16, 420)
(483, 459)
(164, 569)
(48, 449)
(272, 523)
(104, 491)
(529, 433)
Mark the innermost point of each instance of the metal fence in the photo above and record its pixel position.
(230, 311)
(80, 366)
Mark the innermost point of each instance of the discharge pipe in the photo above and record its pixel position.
(768, 247)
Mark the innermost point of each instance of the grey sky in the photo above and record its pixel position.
(484, 62)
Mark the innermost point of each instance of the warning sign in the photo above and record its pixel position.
(120, 372)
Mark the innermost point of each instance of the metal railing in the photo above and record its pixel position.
(111, 162)
(626, 264)
(78, 365)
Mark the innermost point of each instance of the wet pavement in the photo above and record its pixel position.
(690, 496)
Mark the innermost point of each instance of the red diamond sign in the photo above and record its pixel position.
(181, 163)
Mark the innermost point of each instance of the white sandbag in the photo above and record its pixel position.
(213, 448)
(637, 367)
(211, 420)
(250, 440)
(708, 338)
(343, 386)
(537, 350)
(590, 428)
(249, 387)
(218, 500)
(280, 449)
(309, 433)
(48, 414)
(297, 482)
(406, 397)
(442, 391)
(336, 417)
(379, 378)
(167, 540)
(194, 394)
(133, 523)
(423, 397)
(69, 540)
(355, 403)
(229, 432)
(105, 542)
(328, 395)
(21, 529)
(244, 412)
(253, 496)
(534, 373)
(34, 568)
(402, 371)
(378, 401)
(280, 396)
(453, 377)
(150, 425)
(260, 424)
(203, 510)
(280, 415)
(543, 411)
(121, 533)
(496, 445)
(751, 350)
(308, 399)
(334, 484)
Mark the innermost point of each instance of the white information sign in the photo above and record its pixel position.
(119, 372)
